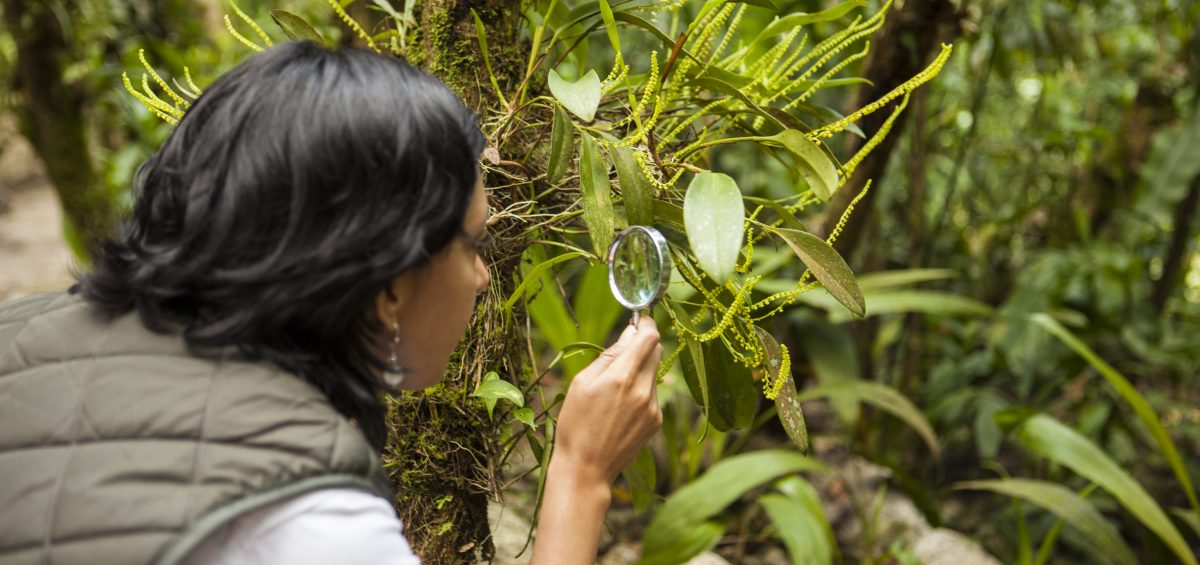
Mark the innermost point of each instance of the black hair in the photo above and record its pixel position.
(292, 192)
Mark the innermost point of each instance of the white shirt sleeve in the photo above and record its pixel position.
(325, 526)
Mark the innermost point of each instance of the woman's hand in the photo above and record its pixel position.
(610, 412)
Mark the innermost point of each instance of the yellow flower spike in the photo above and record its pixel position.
(922, 77)
(243, 39)
(149, 104)
(729, 31)
(187, 75)
(837, 230)
(736, 307)
(824, 78)
(820, 48)
(250, 22)
(780, 72)
(353, 25)
(852, 164)
(665, 366)
(785, 372)
(179, 101)
(157, 102)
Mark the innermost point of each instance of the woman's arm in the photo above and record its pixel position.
(610, 412)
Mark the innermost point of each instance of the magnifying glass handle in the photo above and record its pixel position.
(637, 316)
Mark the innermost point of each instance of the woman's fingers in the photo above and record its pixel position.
(637, 348)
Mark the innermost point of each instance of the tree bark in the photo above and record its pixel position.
(1177, 250)
(900, 50)
(52, 118)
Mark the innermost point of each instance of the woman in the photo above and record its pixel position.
(306, 238)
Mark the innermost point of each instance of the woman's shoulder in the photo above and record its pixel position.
(337, 525)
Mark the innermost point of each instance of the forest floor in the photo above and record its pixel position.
(34, 257)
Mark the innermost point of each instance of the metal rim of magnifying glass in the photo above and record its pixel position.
(664, 259)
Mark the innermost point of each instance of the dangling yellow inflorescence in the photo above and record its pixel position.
(243, 39)
(155, 105)
(249, 21)
(780, 71)
(837, 229)
(353, 25)
(849, 167)
(824, 78)
(179, 101)
(732, 29)
(911, 84)
(772, 386)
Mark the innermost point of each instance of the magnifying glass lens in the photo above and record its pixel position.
(637, 270)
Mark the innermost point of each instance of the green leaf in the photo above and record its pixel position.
(798, 527)
(525, 416)
(714, 216)
(295, 27)
(834, 359)
(790, 21)
(791, 415)
(827, 266)
(1076, 511)
(1189, 517)
(732, 394)
(597, 195)
(640, 475)
(815, 166)
(532, 276)
(696, 541)
(581, 97)
(493, 388)
(562, 145)
(1049, 438)
(610, 25)
(670, 536)
(1131, 395)
(712, 83)
(481, 35)
(884, 398)
(638, 194)
(885, 280)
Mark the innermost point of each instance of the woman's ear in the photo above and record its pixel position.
(389, 301)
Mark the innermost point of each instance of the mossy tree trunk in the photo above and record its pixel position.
(443, 444)
(52, 117)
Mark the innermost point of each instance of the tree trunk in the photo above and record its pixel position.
(443, 446)
(899, 50)
(52, 118)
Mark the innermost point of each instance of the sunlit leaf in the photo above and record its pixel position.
(667, 537)
(581, 97)
(295, 27)
(1049, 438)
(597, 195)
(562, 145)
(713, 214)
(799, 525)
(884, 398)
(827, 266)
(1072, 508)
(493, 388)
(525, 416)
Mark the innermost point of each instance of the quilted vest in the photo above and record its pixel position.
(118, 445)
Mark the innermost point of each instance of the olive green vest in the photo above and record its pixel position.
(119, 446)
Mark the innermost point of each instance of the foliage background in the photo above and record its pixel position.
(1052, 167)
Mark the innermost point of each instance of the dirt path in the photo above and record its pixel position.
(33, 255)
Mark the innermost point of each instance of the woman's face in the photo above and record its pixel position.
(432, 306)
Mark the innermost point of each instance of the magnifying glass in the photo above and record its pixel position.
(639, 268)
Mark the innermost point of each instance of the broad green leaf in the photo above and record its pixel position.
(581, 97)
(610, 25)
(525, 416)
(694, 503)
(641, 477)
(693, 542)
(815, 166)
(790, 21)
(713, 214)
(691, 363)
(1072, 508)
(531, 278)
(1131, 395)
(295, 27)
(637, 192)
(597, 195)
(797, 488)
(799, 529)
(884, 398)
(562, 145)
(1049, 438)
(732, 393)
(827, 266)
(493, 388)
(886, 280)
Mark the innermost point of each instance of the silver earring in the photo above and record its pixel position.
(394, 375)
